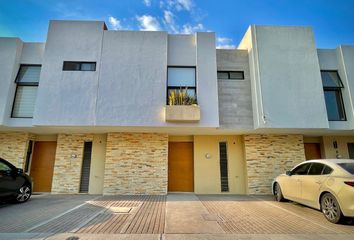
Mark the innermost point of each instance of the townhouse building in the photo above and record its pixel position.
(90, 110)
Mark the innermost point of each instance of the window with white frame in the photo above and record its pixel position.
(26, 91)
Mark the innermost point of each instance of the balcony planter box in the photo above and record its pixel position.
(182, 113)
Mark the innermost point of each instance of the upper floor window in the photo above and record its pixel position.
(232, 75)
(26, 91)
(182, 79)
(79, 66)
(332, 86)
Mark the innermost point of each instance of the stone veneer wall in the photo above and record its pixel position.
(136, 163)
(13, 147)
(67, 169)
(267, 156)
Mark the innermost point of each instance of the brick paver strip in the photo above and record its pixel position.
(146, 217)
(249, 215)
(16, 218)
(68, 221)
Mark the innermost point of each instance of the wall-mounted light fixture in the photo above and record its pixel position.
(335, 145)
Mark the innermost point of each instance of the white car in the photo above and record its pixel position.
(326, 185)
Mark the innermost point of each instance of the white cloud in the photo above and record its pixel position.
(184, 5)
(179, 5)
(147, 3)
(168, 16)
(169, 20)
(225, 43)
(148, 23)
(115, 23)
(188, 28)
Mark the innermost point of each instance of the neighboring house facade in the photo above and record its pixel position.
(87, 111)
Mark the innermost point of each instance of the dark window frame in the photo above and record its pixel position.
(339, 97)
(28, 156)
(80, 66)
(229, 75)
(181, 87)
(23, 84)
(224, 183)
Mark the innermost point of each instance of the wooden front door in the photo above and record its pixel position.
(42, 166)
(312, 151)
(180, 167)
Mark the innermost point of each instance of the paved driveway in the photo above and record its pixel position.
(176, 216)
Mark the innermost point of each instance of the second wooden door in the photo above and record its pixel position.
(42, 166)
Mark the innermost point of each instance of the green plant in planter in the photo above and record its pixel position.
(181, 97)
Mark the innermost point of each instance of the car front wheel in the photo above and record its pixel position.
(278, 193)
(330, 208)
(23, 194)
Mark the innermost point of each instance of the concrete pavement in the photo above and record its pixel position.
(186, 214)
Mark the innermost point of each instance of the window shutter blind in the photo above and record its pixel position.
(24, 101)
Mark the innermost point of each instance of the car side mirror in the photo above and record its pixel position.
(288, 173)
(19, 170)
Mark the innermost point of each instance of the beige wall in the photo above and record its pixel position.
(342, 150)
(207, 171)
(97, 164)
(267, 156)
(13, 147)
(136, 163)
(68, 161)
(180, 138)
(51, 138)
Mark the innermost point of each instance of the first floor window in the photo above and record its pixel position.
(332, 87)
(26, 91)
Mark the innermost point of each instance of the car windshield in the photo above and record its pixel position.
(348, 167)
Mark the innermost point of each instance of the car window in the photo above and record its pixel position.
(301, 170)
(316, 169)
(4, 167)
(348, 167)
(327, 170)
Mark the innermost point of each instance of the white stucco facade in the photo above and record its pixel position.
(286, 82)
(282, 89)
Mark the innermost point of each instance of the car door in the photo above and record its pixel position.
(312, 183)
(292, 188)
(6, 180)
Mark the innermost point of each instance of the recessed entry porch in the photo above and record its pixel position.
(206, 164)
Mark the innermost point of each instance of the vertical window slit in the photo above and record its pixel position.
(224, 179)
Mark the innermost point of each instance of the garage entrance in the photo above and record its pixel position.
(180, 167)
(42, 166)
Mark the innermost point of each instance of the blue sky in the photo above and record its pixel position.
(332, 20)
